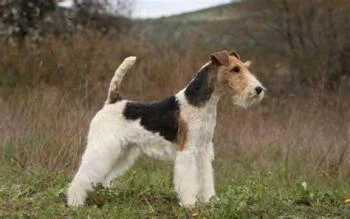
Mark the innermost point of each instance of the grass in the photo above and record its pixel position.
(146, 191)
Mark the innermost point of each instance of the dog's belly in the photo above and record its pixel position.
(155, 146)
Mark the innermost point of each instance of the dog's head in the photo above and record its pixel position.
(234, 78)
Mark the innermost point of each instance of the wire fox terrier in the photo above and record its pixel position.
(179, 128)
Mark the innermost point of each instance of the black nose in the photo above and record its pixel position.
(258, 90)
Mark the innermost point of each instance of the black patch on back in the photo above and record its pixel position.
(158, 117)
(199, 91)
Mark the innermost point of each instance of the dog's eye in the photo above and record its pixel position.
(236, 69)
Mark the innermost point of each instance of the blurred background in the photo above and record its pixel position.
(57, 59)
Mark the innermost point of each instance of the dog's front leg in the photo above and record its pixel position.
(186, 177)
(205, 156)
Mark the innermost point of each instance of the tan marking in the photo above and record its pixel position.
(233, 53)
(227, 80)
(248, 63)
(220, 58)
(113, 94)
(181, 133)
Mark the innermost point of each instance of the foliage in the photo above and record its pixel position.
(146, 191)
(21, 18)
(312, 35)
(38, 19)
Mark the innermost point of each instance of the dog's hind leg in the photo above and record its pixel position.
(130, 154)
(97, 162)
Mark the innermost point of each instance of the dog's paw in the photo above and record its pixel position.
(208, 198)
(190, 204)
(214, 199)
(62, 194)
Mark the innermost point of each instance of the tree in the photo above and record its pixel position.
(313, 35)
(102, 14)
(20, 18)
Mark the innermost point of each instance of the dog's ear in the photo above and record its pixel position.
(220, 58)
(248, 63)
(233, 53)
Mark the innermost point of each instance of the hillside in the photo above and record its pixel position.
(220, 27)
(230, 11)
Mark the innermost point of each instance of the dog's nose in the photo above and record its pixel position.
(258, 89)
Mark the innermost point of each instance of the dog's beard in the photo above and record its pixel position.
(246, 100)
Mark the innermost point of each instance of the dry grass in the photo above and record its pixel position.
(50, 92)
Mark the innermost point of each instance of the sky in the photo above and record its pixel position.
(159, 8)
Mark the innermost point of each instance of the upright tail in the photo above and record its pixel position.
(113, 92)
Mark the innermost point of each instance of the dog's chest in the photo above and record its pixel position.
(208, 127)
(201, 123)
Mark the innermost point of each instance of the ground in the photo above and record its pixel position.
(146, 191)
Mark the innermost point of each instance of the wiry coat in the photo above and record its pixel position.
(179, 128)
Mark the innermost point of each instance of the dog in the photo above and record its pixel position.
(179, 128)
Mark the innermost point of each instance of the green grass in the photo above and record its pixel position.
(146, 191)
